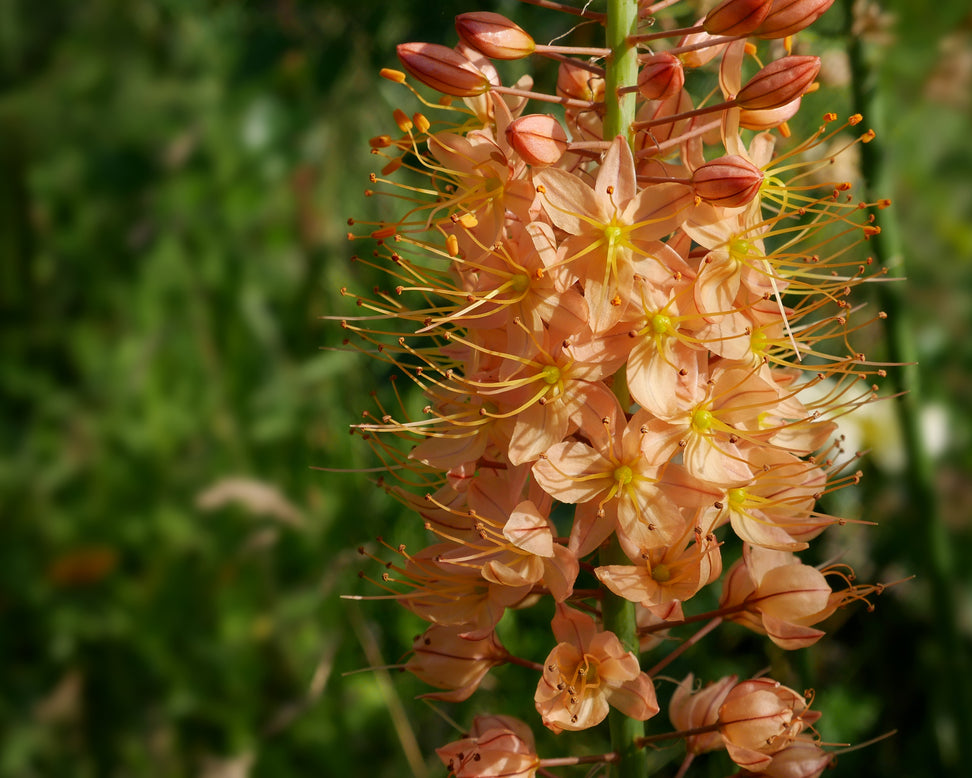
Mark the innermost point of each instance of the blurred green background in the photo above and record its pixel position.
(175, 178)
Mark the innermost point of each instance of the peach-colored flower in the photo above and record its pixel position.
(608, 226)
(443, 659)
(666, 367)
(614, 484)
(445, 590)
(496, 747)
(508, 539)
(759, 718)
(783, 597)
(487, 181)
(586, 673)
(714, 435)
(776, 510)
(667, 575)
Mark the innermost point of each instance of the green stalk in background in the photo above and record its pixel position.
(937, 562)
(621, 70)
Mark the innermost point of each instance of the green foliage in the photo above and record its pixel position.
(174, 182)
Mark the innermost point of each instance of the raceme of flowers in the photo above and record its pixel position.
(632, 348)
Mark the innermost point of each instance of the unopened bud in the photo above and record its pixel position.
(729, 181)
(778, 83)
(736, 17)
(443, 69)
(661, 76)
(787, 17)
(494, 35)
(538, 138)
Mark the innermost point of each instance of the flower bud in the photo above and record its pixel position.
(729, 181)
(787, 17)
(736, 17)
(661, 76)
(778, 83)
(443, 69)
(538, 138)
(494, 35)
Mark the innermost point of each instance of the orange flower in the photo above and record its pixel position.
(759, 718)
(496, 747)
(444, 659)
(586, 673)
(783, 597)
(614, 484)
(608, 226)
(668, 575)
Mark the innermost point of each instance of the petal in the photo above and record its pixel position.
(635, 699)
(572, 629)
(591, 528)
(530, 531)
(657, 210)
(628, 581)
(561, 467)
(560, 572)
(568, 201)
(617, 172)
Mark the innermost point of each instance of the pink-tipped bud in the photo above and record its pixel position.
(778, 83)
(494, 35)
(661, 76)
(729, 181)
(736, 17)
(443, 69)
(538, 138)
(787, 17)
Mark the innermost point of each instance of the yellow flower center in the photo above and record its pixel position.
(612, 233)
(736, 498)
(740, 248)
(551, 374)
(520, 282)
(702, 419)
(623, 475)
(661, 324)
(661, 573)
(758, 342)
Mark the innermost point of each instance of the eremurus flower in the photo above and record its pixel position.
(586, 673)
(443, 659)
(611, 227)
(631, 331)
(495, 747)
(759, 718)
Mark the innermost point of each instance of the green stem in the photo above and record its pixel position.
(938, 562)
(619, 614)
(619, 618)
(621, 69)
